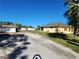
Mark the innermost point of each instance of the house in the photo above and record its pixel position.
(8, 28)
(23, 28)
(30, 28)
(57, 28)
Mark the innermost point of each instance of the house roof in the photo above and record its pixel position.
(9, 26)
(56, 25)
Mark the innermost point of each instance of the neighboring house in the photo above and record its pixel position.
(57, 28)
(30, 28)
(23, 28)
(8, 28)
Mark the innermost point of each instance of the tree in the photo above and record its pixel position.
(30, 26)
(19, 26)
(6, 23)
(38, 27)
(72, 14)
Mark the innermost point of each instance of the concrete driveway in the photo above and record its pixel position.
(38, 45)
(46, 49)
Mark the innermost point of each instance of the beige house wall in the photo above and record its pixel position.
(49, 29)
(60, 30)
(69, 30)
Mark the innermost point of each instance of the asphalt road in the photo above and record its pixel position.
(38, 45)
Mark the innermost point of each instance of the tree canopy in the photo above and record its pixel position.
(17, 24)
(72, 14)
(6, 23)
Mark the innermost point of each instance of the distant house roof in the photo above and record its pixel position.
(56, 25)
(9, 26)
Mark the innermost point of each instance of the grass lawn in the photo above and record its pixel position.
(61, 40)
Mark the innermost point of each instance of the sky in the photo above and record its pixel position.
(32, 12)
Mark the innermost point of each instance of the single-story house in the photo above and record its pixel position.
(23, 28)
(57, 28)
(8, 28)
(30, 28)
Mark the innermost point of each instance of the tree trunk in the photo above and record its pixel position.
(75, 33)
(57, 31)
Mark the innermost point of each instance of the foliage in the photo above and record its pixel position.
(17, 24)
(72, 14)
(6, 23)
(38, 27)
(29, 26)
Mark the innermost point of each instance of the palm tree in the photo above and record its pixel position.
(72, 14)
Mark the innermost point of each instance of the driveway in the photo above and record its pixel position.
(46, 48)
(39, 46)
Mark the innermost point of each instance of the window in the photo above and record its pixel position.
(6, 29)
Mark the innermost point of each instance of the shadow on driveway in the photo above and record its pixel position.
(17, 51)
(8, 40)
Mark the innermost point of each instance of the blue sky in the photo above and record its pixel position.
(32, 12)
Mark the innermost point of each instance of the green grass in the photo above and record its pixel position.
(59, 40)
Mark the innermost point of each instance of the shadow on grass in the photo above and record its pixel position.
(64, 37)
(58, 35)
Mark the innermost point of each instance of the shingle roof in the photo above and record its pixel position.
(56, 25)
(10, 26)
